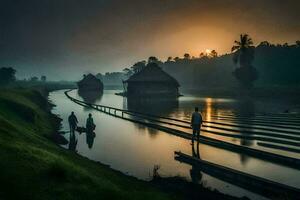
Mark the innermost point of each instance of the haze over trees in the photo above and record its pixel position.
(7, 75)
(113, 78)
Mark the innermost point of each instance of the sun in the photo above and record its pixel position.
(207, 51)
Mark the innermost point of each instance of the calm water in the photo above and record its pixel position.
(135, 149)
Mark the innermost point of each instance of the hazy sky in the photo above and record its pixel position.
(65, 38)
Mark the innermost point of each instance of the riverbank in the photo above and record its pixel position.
(33, 167)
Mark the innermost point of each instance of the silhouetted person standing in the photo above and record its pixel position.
(90, 126)
(196, 123)
(72, 122)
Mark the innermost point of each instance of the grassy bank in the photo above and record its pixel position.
(33, 167)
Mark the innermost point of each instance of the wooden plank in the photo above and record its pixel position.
(250, 182)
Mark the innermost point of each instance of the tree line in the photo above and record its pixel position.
(8, 77)
(263, 65)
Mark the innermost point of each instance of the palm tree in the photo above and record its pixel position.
(244, 43)
(244, 55)
(243, 50)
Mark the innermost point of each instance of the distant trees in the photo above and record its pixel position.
(169, 59)
(243, 56)
(7, 75)
(127, 72)
(114, 78)
(213, 54)
(265, 43)
(152, 59)
(137, 67)
(43, 78)
(34, 79)
(186, 56)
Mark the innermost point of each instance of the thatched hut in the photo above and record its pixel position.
(151, 81)
(90, 83)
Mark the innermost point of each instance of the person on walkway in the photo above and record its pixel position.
(90, 126)
(196, 123)
(72, 123)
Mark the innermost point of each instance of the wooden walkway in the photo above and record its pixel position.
(253, 183)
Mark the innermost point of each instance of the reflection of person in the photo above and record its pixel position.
(72, 123)
(90, 136)
(195, 172)
(196, 123)
(72, 142)
(90, 126)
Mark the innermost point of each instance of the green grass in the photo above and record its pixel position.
(33, 167)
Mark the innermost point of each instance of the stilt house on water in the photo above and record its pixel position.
(151, 81)
(90, 83)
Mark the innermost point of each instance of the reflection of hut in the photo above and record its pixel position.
(90, 83)
(90, 96)
(156, 106)
(151, 81)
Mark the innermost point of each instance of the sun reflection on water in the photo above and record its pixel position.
(208, 107)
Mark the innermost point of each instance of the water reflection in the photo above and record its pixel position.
(90, 96)
(208, 109)
(195, 172)
(246, 110)
(72, 142)
(90, 137)
(155, 106)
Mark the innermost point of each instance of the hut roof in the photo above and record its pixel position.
(152, 73)
(89, 79)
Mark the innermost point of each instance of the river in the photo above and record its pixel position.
(135, 149)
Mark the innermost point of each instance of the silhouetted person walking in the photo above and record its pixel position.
(90, 126)
(72, 122)
(196, 123)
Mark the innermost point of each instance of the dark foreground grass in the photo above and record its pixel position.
(33, 167)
